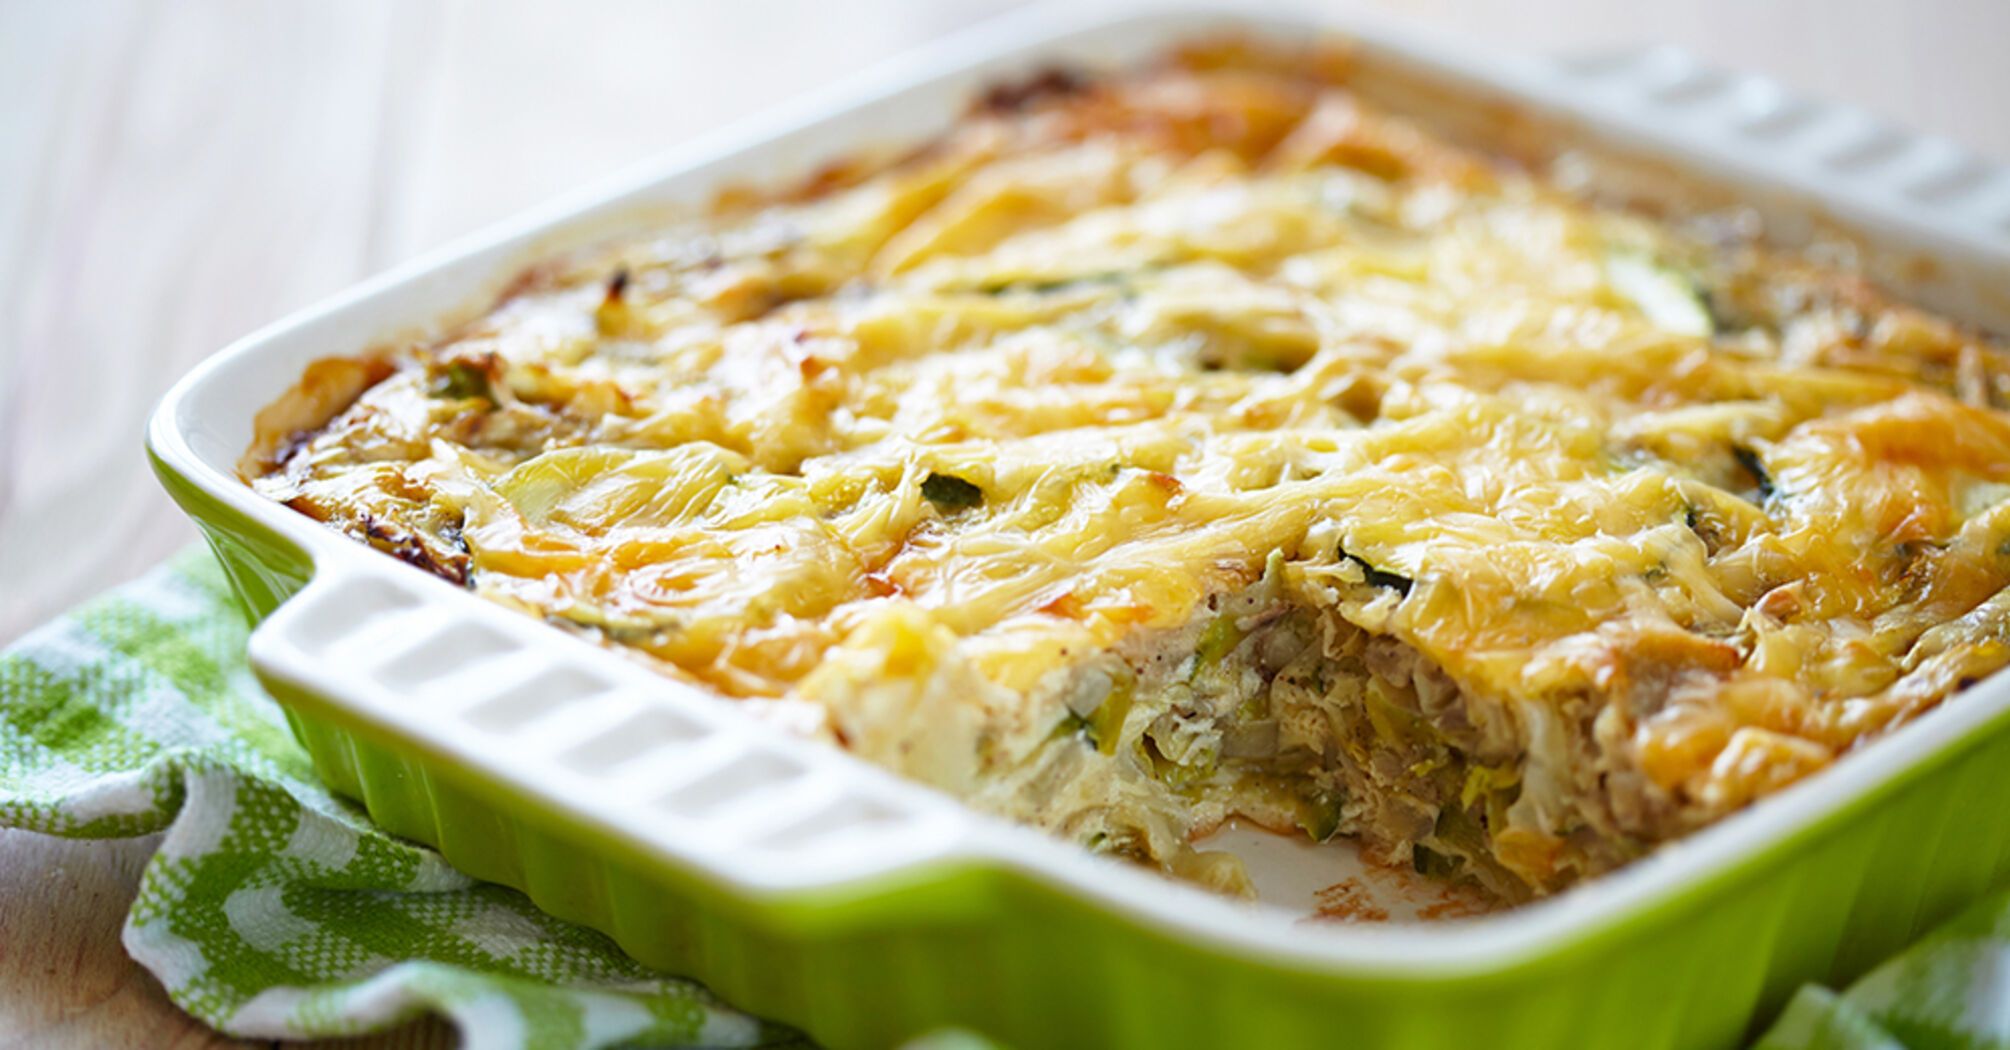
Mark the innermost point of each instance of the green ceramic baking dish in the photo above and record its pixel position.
(803, 885)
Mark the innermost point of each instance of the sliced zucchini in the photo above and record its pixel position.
(949, 492)
(1380, 577)
(1667, 296)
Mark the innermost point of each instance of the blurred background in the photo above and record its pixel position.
(177, 174)
(173, 175)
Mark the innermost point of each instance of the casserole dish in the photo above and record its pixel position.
(709, 846)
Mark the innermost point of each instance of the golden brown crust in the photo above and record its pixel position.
(1682, 519)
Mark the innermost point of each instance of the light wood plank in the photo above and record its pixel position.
(201, 169)
(69, 983)
(538, 98)
(174, 181)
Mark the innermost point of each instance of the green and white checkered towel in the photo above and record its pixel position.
(276, 909)
(1951, 990)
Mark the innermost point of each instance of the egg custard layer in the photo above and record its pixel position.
(1202, 442)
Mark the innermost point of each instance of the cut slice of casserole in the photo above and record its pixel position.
(1201, 443)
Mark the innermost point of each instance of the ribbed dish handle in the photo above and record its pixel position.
(508, 700)
(1752, 124)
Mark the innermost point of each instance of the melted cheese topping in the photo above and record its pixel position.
(1103, 351)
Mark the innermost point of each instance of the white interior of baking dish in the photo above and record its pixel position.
(687, 777)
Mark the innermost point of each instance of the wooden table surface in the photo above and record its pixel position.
(173, 175)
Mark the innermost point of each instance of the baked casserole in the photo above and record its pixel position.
(1203, 442)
